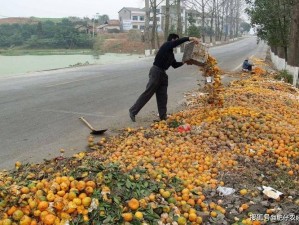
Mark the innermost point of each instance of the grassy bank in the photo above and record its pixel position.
(17, 52)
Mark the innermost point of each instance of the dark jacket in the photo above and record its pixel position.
(165, 57)
(246, 65)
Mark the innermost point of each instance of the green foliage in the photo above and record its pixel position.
(272, 20)
(102, 19)
(191, 19)
(285, 76)
(193, 31)
(172, 29)
(245, 27)
(45, 34)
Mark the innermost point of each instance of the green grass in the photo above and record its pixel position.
(285, 76)
(17, 52)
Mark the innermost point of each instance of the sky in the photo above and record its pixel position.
(65, 8)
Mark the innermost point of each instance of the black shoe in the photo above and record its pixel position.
(132, 117)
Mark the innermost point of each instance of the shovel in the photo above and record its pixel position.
(93, 131)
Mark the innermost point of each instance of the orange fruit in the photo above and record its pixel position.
(82, 195)
(33, 222)
(77, 201)
(72, 195)
(243, 192)
(6, 222)
(58, 205)
(25, 190)
(199, 220)
(291, 172)
(166, 194)
(133, 204)
(43, 205)
(213, 214)
(138, 215)
(152, 197)
(17, 215)
(50, 196)
(182, 221)
(49, 219)
(25, 220)
(192, 217)
(11, 210)
(86, 201)
(71, 207)
(244, 206)
(91, 183)
(36, 213)
(127, 217)
(89, 190)
(81, 185)
(32, 203)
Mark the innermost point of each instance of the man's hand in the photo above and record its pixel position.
(194, 39)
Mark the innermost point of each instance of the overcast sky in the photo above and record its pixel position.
(64, 8)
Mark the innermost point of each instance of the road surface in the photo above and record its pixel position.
(39, 111)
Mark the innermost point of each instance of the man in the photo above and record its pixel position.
(158, 79)
(247, 66)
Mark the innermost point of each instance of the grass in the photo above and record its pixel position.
(17, 52)
(285, 76)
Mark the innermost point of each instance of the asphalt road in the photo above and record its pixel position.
(39, 111)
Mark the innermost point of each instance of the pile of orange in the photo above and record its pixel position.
(258, 118)
(49, 201)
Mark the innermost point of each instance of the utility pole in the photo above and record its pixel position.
(95, 16)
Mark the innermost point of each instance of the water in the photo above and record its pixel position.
(13, 65)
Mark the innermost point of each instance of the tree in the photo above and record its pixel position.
(293, 58)
(154, 25)
(245, 27)
(102, 19)
(193, 31)
(272, 18)
(167, 15)
(147, 19)
(179, 17)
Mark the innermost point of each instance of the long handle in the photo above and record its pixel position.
(82, 118)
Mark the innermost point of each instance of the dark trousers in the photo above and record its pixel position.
(158, 83)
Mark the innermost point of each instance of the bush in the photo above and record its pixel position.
(134, 35)
(285, 76)
(193, 31)
(113, 30)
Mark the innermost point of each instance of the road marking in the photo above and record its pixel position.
(77, 113)
(241, 64)
(73, 81)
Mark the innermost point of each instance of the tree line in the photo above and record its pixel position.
(277, 22)
(46, 34)
(220, 20)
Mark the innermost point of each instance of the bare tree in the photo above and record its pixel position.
(154, 25)
(293, 58)
(167, 15)
(179, 15)
(213, 12)
(146, 27)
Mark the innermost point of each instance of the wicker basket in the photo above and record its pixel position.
(195, 54)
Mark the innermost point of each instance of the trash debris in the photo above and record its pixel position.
(271, 192)
(224, 191)
(184, 128)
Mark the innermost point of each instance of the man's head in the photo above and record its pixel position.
(172, 37)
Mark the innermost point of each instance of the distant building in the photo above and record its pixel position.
(134, 18)
(110, 26)
(131, 18)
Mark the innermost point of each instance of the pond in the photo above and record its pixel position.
(13, 65)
